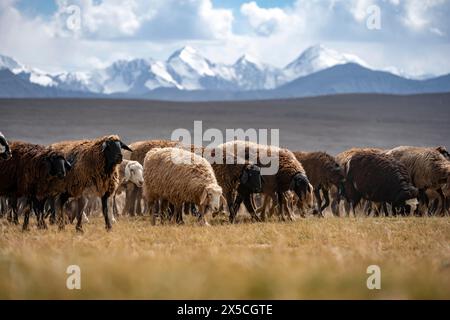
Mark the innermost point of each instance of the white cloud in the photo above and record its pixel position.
(264, 21)
(154, 19)
(113, 29)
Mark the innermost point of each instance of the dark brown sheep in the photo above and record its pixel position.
(343, 159)
(290, 174)
(323, 172)
(235, 177)
(31, 172)
(94, 166)
(379, 178)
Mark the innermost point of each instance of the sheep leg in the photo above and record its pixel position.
(152, 205)
(326, 196)
(442, 202)
(249, 206)
(81, 204)
(61, 217)
(26, 216)
(52, 210)
(115, 211)
(287, 209)
(231, 206)
(201, 218)
(39, 210)
(179, 214)
(13, 214)
(128, 195)
(280, 206)
(335, 204)
(138, 201)
(318, 200)
(105, 198)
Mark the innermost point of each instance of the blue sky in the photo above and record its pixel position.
(414, 35)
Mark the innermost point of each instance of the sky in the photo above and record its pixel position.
(412, 36)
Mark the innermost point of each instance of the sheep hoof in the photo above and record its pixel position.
(25, 229)
(61, 227)
(79, 229)
(109, 228)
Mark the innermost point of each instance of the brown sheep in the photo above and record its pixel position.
(429, 168)
(31, 172)
(289, 176)
(380, 178)
(179, 176)
(323, 172)
(343, 159)
(236, 176)
(94, 165)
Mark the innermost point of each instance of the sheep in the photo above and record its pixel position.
(289, 176)
(31, 172)
(180, 176)
(428, 167)
(5, 152)
(95, 165)
(230, 174)
(235, 176)
(343, 159)
(323, 172)
(130, 173)
(140, 148)
(381, 178)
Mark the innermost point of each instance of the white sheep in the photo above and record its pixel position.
(179, 176)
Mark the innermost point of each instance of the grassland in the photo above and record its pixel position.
(308, 258)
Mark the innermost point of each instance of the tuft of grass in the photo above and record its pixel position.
(305, 259)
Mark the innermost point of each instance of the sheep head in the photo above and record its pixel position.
(134, 172)
(211, 196)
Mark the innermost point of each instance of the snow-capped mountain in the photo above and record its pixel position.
(250, 74)
(32, 75)
(192, 71)
(135, 76)
(188, 75)
(317, 58)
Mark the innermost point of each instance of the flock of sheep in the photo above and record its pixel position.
(65, 180)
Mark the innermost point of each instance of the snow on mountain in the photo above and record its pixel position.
(33, 75)
(318, 70)
(11, 64)
(317, 58)
(250, 74)
(187, 67)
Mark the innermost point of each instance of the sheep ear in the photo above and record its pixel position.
(104, 146)
(127, 173)
(244, 176)
(125, 147)
(223, 201)
(203, 197)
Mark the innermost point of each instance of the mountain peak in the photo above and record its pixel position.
(247, 58)
(184, 52)
(11, 64)
(317, 58)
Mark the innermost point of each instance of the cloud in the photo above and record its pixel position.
(113, 29)
(264, 21)
(140, 19)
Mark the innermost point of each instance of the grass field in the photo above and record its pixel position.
(308, 258)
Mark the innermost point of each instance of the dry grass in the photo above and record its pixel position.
(309, 258)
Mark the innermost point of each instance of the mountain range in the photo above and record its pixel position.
(188, 75)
